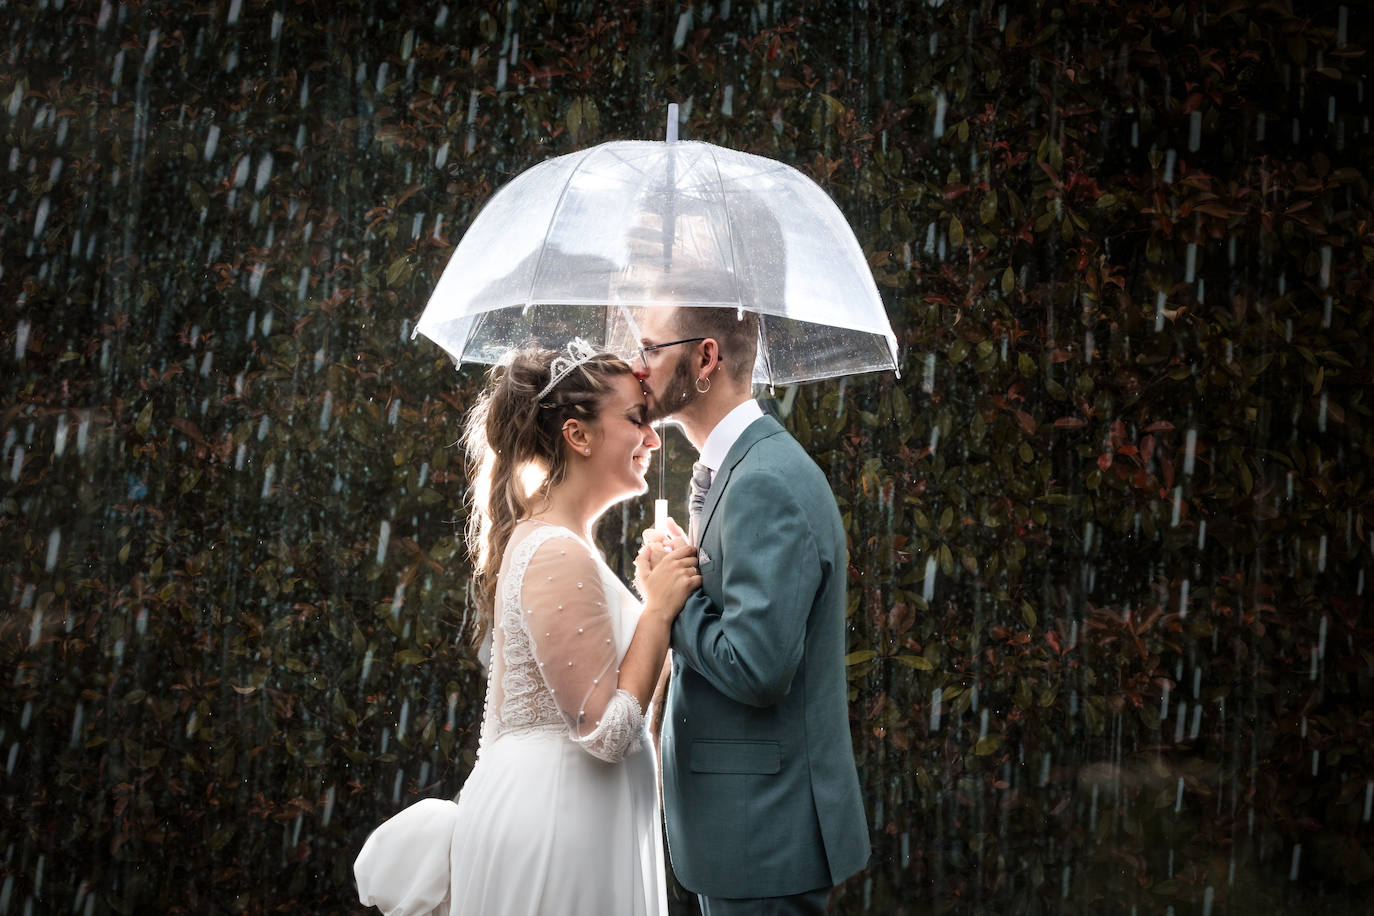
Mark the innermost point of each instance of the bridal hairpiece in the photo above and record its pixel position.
(579, 352)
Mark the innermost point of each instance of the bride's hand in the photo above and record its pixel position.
(673, 577)
(644, 563)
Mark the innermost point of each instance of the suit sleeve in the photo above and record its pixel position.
(750, 648)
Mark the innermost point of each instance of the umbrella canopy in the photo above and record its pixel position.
(571, 246)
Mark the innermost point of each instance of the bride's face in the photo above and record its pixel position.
(623, 439)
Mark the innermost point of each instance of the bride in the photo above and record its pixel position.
(560, 813)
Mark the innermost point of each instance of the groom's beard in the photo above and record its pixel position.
(679, 393)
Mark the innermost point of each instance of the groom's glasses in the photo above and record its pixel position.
(645, 351)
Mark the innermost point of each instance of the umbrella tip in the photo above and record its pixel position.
(671, 133)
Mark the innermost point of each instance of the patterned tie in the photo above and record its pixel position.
(701, 483)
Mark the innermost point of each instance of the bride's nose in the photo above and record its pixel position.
(651, 439)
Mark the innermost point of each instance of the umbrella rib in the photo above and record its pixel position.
(763, 351)
(562, 195)
(729, 236)
(734, 268)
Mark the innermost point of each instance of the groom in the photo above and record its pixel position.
(761, 795)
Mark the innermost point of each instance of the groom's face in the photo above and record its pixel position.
(667, 375)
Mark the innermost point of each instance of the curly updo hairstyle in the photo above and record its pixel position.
(511, 433)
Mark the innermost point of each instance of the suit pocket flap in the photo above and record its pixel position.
(760, 757)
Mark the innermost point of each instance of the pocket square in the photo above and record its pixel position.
(703, 558)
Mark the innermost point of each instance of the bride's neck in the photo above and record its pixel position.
(571, 505)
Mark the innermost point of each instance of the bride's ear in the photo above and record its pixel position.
(577, 436)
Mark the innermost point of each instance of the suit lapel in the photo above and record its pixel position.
(755, 432)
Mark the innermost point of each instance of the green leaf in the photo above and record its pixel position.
(915, 661)
(988, 744)
(987, 211)
(145, 420)
(399, 271)
(956, 232)
(859, 657)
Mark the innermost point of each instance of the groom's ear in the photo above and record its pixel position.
(710, 354)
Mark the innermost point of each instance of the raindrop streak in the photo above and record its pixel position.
(264, 173)
(326, 411)
(684, 25)
(21, 339)
(941, 105)
(1320, 651)
(935, 709)
(55, 543)
(383, 538)
(1297, 857)
(928, 584)
(36, 628)
(40, 220)
(255, 274)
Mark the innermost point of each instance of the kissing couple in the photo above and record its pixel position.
(739, 621)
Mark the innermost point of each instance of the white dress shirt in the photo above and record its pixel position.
(722, 438)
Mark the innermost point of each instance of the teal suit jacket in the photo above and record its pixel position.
(759, 783)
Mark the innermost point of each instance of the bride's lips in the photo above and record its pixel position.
(641, 462)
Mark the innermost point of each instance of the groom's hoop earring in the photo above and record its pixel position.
(707, 380)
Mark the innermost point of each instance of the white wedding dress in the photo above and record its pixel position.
(560, 813)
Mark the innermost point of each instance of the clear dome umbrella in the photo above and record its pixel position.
(572, 246)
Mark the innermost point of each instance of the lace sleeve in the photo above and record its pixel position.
(571, 633)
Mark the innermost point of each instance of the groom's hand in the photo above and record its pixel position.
(676, 535)
(655, 545)
(664, 540)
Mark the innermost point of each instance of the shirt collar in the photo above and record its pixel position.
(723, 437)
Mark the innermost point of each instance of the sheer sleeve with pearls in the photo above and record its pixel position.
(570, 631)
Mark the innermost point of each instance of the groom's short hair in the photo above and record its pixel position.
(736, 331)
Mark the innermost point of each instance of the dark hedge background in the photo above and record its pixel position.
(1110, 530)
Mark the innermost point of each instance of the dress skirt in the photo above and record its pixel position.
(540, 827)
